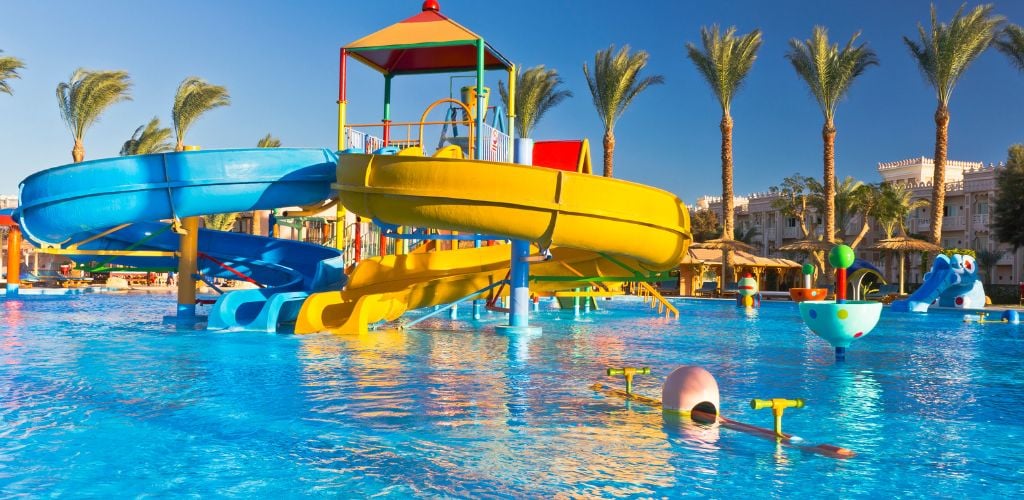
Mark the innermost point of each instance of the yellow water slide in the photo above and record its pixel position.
(582, 217)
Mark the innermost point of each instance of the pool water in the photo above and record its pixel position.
(99, 398)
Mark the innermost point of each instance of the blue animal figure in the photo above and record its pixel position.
(952, 282)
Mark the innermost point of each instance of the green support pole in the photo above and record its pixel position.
(480, 99)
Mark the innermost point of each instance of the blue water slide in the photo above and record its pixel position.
(72, 203)
(939, 279)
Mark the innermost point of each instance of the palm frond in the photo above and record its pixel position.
(87, 94)
(147, 139)
(724, 60)
(9, 66)
(615, 81)
(536, 93)
(194, 97)
(1011, 43)
(828, 71)
(268, 141)
(945, 51)
(221, 222)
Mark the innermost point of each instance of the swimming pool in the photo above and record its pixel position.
(98, 397)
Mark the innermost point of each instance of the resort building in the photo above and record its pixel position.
(970, 194)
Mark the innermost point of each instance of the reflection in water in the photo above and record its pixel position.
(129, 407)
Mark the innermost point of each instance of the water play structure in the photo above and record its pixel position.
(952, 282)
(840, 321)
(567, 229)
(691, 393)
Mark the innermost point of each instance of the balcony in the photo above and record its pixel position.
(980, 221)
(792, 233)
(1006, 259)
(954, 223)
(917, 225)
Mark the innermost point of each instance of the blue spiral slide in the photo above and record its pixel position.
(146, 194)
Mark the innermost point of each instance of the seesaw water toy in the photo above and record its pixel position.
(692, 392)
(1012, 317)
(952, 282)
(748, 295)
(807, 292)
(840, 321)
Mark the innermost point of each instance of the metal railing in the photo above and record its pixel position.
(980, 220)
(497, 145)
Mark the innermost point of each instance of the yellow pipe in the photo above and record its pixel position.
(130, 253)
(187, 266)
(512, 102)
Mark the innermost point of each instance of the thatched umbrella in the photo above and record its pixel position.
(726, 246)
(808, 246)
(723, 244)
(902, 244)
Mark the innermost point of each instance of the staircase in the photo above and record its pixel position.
(654, 298)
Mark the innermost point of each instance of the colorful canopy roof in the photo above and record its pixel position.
(425, 43)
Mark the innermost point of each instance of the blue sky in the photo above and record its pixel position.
(279, 62)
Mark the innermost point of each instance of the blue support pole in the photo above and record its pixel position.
(519, 275)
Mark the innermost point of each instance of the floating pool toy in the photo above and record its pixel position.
(692, 392)
(840, 322)
(1011, 317)
(807, 292)
(748, 295)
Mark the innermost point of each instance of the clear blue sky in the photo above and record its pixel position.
(278, 60)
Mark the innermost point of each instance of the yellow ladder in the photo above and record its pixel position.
(650, 295)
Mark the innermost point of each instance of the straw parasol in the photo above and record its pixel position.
(903, 244)
(724, 244)
(809, 246)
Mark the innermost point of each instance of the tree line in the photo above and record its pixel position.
(943, 52)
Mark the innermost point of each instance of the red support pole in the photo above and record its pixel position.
(342, 75)
(357, 242)
(841, 285)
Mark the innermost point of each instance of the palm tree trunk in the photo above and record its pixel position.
(939, 178)
(609, 151)
(78, 152)
(727, 194)
(864, 228)
(828, 134)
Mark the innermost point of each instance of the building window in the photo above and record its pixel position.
(982, 208)
(791, 222)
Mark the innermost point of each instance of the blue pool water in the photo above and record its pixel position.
(99, 398)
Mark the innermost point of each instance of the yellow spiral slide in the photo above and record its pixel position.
(582, 217)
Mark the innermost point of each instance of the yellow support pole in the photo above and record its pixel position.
(187, 267)
(512, 104)
(339, 213)
(13, 261)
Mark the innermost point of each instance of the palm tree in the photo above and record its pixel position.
(866, 201)
(987, 259)
(896, 204)
(943, 54)
(845, 205)
(9, 66)
(147, 139)
(194, 97)
(1011, 43)
(85, 96)
(268, 141)
(724, 61)
(536, 92)
(614, 82)
(829, 72)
